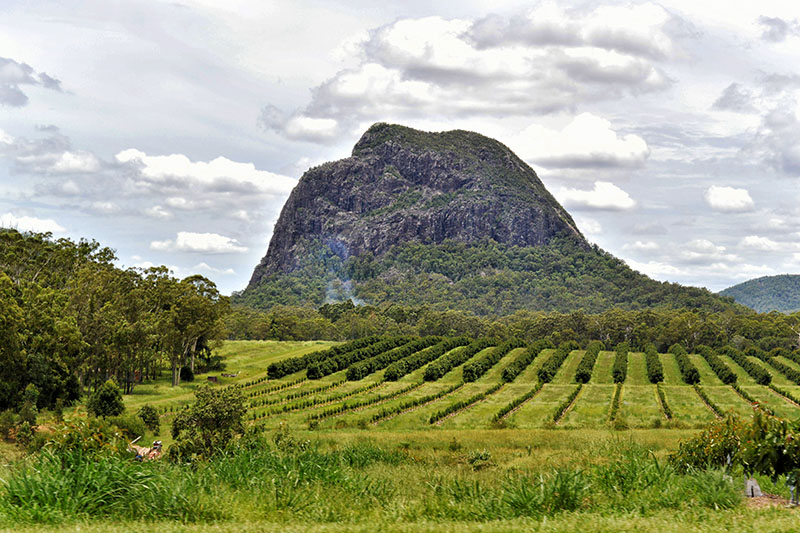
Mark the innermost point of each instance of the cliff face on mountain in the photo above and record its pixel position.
(451, 220)
(402, 185)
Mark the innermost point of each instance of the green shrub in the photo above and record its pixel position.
(130, 426)
(106, 400)
(149, 415)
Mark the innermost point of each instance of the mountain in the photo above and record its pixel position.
(452, 220)
(770, 293)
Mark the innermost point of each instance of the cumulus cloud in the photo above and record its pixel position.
(587, 141)
(643, 30)
(209, 243)
(703, 251)
(33, 224)
(729, 199)
(764, 244)
(221, 174)
(13, 75)
(642, 246)
(546, 61)
(604, 196)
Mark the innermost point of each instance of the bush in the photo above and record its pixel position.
(208, 426)
(689, 372)
(475, 369)
(548, 370)
(186, 374)
(655, 370)
(584, 371)
(89, 436)
(524, 360)
(620, 371)
(761, 376)
(106, 400)
(8, 419)
(449, 361)
(149, 416)
(723, 372)
(130, 426)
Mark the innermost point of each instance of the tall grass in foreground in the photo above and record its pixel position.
(291, 480)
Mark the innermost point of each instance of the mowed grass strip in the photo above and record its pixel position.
(528, 376)
(672, 375)
(686, 405)
(494, 374)
(456, 375)
(707, 376)
(419, 416)
(640, 407)
(728, 400)
(742, 377)
(566, 374)
(774, 401)
(591, 407)
(637, 369)
(788, 362)
(602, 368)
(539, 411)
(364, 414)
(777, 378)
(479, 415)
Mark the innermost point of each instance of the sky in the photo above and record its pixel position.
(173, 132)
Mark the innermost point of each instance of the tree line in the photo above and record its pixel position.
(70, 319)
(739, 328)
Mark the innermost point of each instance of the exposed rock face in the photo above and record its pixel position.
(404, 185)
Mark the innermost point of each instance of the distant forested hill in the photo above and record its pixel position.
(770, 293)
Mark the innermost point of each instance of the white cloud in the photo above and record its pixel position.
(642, 246)
(703, 252)
(764, 244)
(205, 267)
(589, 226)
(604, 196)
(33, 224)
(729, 199)
(220, 173)
(210, 243)
(547, 60)
(105, 208)
(75, 162)
(655, 269)
(587, 141)
(158, 211)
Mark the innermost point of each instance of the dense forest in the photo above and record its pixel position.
(769, 293)
(70, 319)
(488, 278)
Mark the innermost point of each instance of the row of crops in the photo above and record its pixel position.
(439, 380)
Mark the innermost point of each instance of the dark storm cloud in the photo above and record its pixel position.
(14, 74)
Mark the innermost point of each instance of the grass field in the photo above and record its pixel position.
(377, 463)
(639, 407)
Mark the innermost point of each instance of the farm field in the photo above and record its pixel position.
(448, 437)
(409, 402)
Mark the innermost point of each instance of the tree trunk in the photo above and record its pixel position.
(176, 372)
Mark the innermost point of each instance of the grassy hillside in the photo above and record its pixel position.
(770, 293)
